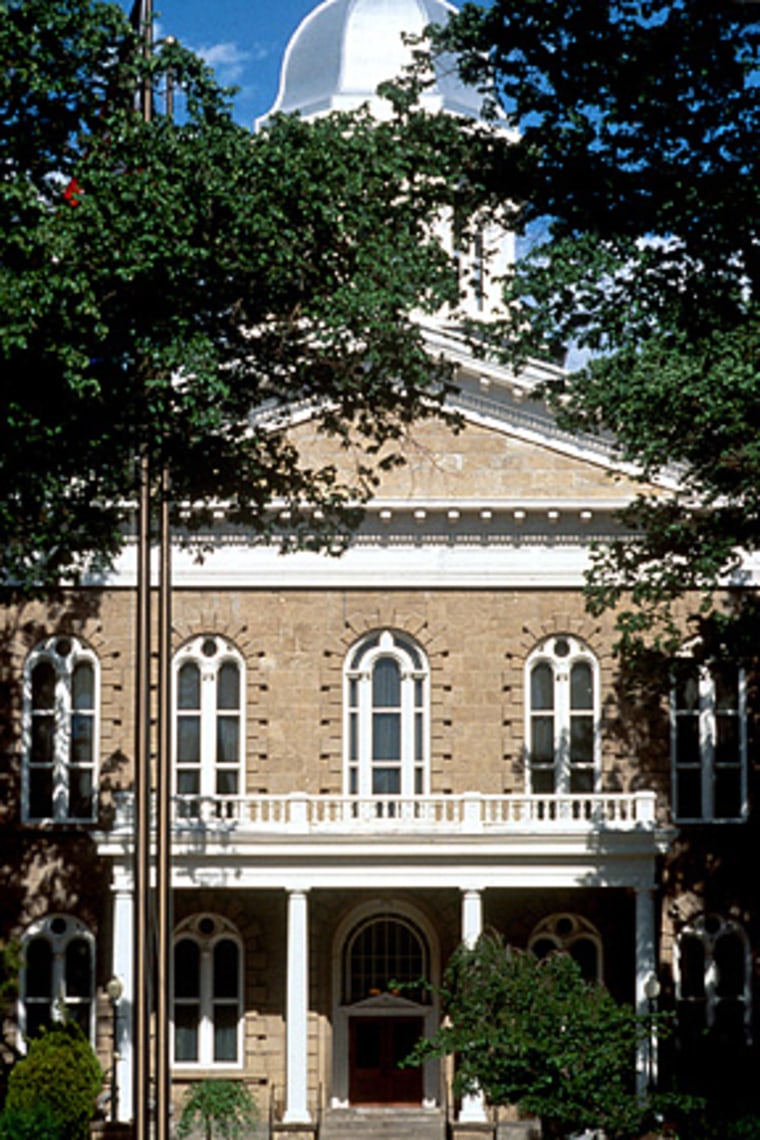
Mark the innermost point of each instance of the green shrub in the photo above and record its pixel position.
(219, 1107)
(61, 1072)
(37, 1123)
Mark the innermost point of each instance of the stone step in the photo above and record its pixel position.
(383, 1124)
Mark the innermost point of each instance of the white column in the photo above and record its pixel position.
(646, 969)
(122, 967)
(297, 1011)
(473, 1107)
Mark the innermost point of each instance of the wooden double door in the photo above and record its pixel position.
(376, 1046)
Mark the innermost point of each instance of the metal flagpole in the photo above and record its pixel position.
(163, 830)
(142, 781)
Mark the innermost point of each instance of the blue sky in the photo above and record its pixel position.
(243, 40)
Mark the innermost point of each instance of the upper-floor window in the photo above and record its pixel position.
(562, 717)
(386, 717)
(208, 986)
(57, 975)
(713, 975)
(60, 732)
(574, 935)
(208, 723)
(709, 741)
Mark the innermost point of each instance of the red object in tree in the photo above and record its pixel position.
(73, 193)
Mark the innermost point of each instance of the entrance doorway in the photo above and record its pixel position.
(376, 1046)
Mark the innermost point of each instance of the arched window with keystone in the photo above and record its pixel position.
(562, 717)
(60, 732)
(386, 717)
(209, 727)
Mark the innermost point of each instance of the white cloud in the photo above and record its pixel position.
(230, 61)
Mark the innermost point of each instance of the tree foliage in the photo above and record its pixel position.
(59, 1073)
(634, 171)
(220, 1107)
(532, 1032)
(181, 286)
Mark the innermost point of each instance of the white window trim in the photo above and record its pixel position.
(43, 928)
(707, 748)
(362, 675)
(561, 666)
(64, 669)
(697, 928)
(209, 666)
(223, 930)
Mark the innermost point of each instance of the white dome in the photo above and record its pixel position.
(344, 49)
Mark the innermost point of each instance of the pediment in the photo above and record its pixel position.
(385, 1001)
(493, 459)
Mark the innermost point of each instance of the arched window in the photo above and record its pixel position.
(208, 725)
(713, 979)
(708, 741)
(57, 975)
(60, 740)
(562, 682)
(208, 986)
(573, 935)
(384, 950)
(387, 719)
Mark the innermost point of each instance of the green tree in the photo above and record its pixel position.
(181, 286)
(534, 1033)
(634, 174)
(59, 1073)
(220, 1107)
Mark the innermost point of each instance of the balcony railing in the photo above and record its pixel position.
(468, 814)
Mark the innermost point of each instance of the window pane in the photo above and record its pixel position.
(80, 793)
(386, 781)
(730, 962)
(581, 780)
(81, 739)
(78, 968)
(43, 739)
(186, 1018)
(727, 740)
(39, 968)
(189, 686)
(43, 686)
(227, 739)
(687, 688)
(38, 1016)
(728, 793)
(689, 793)
(226, 961)
(542, 687)
(188, 740)
(581, 686)
(226, 782)
(187, 961)
(386, 684)
(692, 963)
(542, 781)
(228, 686)
(80, 1012)
(83, 686)
(726, 680)
(584, 951)
(687, 740)
(542, 745)
(225, 1032)
(40, 793)
(386, 736)
(188, 783)
(581, 740)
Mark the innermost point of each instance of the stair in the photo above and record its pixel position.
(383, 1124)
